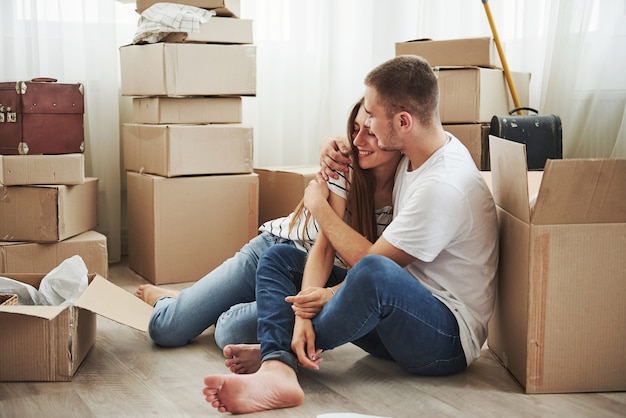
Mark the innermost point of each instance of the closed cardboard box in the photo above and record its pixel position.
(48, 213)
(33, 257)
(222, 7)
(42, 169)
(219, 30)
(180, 150)
(475, 95)
(49, 343)
(475, 136)
(479, 52)
(179, 229)
(281, 188)
(560, 315)
(191, 109)
(188, 69)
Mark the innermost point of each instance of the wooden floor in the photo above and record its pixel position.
(125, 375)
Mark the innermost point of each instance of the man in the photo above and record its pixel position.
(421, 295)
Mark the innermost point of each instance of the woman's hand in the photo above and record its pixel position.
(334, 156)
(309, 302)
(316, 192)
(303, 344)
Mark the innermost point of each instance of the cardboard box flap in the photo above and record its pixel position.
(509, 180)
(45, 312)
(582, 192)
(106, 299)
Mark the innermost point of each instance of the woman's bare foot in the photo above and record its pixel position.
(274, 386)
(242, 358)
(150, 293)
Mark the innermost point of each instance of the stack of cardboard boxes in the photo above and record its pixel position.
(192, 195)
(472, 87)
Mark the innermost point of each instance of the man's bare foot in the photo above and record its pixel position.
(274, 386)
(242, 358)
(150, 293)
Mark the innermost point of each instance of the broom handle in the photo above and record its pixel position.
(505, 66)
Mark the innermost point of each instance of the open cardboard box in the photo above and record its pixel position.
(560, 317)
(49, 343)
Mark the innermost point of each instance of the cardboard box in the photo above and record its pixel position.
(230, 8)
(179, 229)
(49, 343)
(48, 213)
(188, 110)
(219, 30)
(32, 257)
(42, 169)
(281, 188)
(475, 136)
(475, 95)
(188, 69)
(560, 315)
(180, 150)
(479, 52)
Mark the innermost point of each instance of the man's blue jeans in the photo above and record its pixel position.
(381, 308)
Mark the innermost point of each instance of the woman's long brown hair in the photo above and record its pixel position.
(360, 203)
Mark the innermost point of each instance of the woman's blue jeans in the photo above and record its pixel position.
(176, 321)
(381, 308)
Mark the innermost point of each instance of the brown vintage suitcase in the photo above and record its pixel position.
(41, 116)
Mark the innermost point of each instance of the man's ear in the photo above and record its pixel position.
(405, 120)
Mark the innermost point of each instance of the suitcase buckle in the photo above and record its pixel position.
(22, 148)
(11, 116)
(1, 113)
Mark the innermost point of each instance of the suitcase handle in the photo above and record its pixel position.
(517, 109)
(44, 80)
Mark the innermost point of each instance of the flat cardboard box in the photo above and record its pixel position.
(187, 110)
(475, 136)
(188, 69)
(49, 343)
(181, 228)
(18, 170)
(33, 257)
(219, 30)
(231, 8)
(182, 150)
(48, 213)
(560, 315)
(475, 95)
(281, 188)
(479, 52)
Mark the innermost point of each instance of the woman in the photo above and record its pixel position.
(179, 317)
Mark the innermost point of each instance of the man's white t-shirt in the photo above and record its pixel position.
(445, 217)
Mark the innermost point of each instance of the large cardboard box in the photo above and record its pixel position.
(475, 95)
(180, 150)
(230, 8)
(181, 228)
(191, 109)
(281, 188)
(48, 213)
(475, 136)
(219, 30)
(560, 315)
(33, 257)
(42, 169)
(188, 69)
(479, 52)
(49, 343)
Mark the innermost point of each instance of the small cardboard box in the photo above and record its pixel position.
(181, 150)
(475, 136)
(18, 170)
(181, 228)
(479, 52)
(48, 213)
(231, 8)
(475, 95)
(281, 188)
(49, 343)
(560, 315)
(218, 30)
(187, 110)
(188, 69)
(32, 257)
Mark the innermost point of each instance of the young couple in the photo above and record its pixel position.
(420, 295)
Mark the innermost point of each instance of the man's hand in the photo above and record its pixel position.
(334, 155)
(303, 344)
(309, 302)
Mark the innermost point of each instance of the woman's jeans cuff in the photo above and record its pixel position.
(283, 356)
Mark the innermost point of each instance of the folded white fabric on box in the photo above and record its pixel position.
(161, 19)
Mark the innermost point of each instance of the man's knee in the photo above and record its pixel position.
(370, 270)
